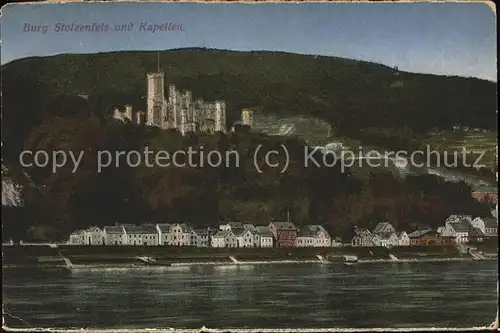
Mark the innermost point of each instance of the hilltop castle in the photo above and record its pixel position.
(178, 111)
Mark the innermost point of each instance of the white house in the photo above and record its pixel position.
(200, 238)
(362, 237)
(219, 239)
(141, 235)
(389, 239)
(305, 238)
(245, 237)
(384, 228)
(321, 236)
(461, 229)
(487, 225)
(163, 233)
(93, 236)
(179, 235)
(478, 223)
(446, 231)
(265, 236)
(230, 239)
(76, 237)
(313, 236)
(403, 239)
(114, 235)
(491, 227)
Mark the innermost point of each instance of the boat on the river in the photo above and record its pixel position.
(350, 260)
(150, 261)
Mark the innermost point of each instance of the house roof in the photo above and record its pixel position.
(77, 232)
(387, 235)
(264, 231)
(458, 217)
(201, 232)
(164, 227)
(461, 226)
(381, 226)
(362, 232)
(306, 232)
(317, 228)
(239, 231)
(139, 229)
(283, 225)
(221, 233)
(490, 222)
(486, 189)
(113, 229)
(249, 226)
(419, 233)
(93, 229)
(184, 226)
(477, 231)
(212, 232)
(235, 225)
(400, 233)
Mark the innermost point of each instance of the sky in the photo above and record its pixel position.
(438, 38)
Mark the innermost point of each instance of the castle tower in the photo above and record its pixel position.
(220, 116)
(190, 119)
(140, 117)
(183, 117)
(174, 102)
(129, 113)
(247, 117)
(118, 114)
(156, 98)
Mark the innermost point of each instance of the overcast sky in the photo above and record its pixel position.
(440, 38)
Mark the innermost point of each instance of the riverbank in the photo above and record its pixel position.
(159, 256)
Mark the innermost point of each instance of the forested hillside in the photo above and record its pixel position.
(61, 102)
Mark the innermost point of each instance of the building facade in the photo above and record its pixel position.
(93, 236)
(424, 237)
(285, 233)
(115, 235)
(265, 236)
(200, 238)
(76, 238)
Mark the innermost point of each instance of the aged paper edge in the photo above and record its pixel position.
(493, 326)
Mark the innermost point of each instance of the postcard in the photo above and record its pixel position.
(249, 167)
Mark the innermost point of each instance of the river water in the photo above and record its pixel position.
(387, 295)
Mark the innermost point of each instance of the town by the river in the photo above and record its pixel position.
(383, 295)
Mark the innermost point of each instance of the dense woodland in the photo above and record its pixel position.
(42, 110)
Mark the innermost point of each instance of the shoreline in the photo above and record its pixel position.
(244, 263)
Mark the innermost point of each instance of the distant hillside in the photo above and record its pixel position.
(346, 93)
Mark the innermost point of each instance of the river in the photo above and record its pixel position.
(386, 295)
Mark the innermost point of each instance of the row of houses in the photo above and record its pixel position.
(466, 229)
(384, 234)
(276, 234)
(457, 229)
(461, 229)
